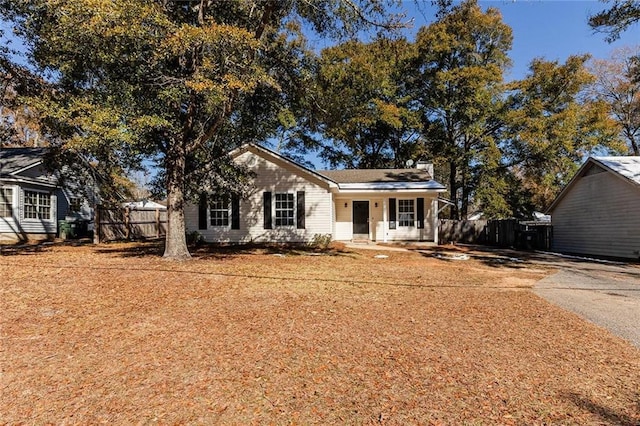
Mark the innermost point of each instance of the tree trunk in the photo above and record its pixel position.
(464, 197)
(176, 239)
(453, 189)
(634, 146)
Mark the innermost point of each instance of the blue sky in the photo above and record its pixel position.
(552, 29)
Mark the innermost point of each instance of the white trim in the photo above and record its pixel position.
(15, 172)
(293, 208)
(52, 206)
(209, 217)
(434, 208)
(262, 150)
(414, 212)
(13, 204)
(368, 201)
(18, 179)
(598, 161)
(385, 219)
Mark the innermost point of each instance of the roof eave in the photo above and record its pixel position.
(567, 188)
(18, 179)
(25, 168)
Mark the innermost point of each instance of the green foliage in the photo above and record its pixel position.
(552, 126)
(457, 85)
(194, 238)
(622, 15)
(360, 107)
(176, 81)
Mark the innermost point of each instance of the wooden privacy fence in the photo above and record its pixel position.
(502, 233)
(129, 224)
(462, 231)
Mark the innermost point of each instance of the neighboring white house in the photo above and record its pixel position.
(291, 203)
(598, 212)
(31, 201)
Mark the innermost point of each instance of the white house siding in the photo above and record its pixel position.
(343, 228)
(379, 217)
(599, 216)
(274, 177)
(9, 225)
(19, 227)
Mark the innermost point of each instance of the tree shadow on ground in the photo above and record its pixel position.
(495, 259)
(35, 247)
(608, 415)
(220, 251)
(498, 257)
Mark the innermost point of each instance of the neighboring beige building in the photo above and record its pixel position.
(291, 203)
(598, 212)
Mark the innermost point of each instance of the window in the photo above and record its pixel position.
(284, 210)
(37, 205)
(75, 204)
(406, 212)
(6, 202)
(219, 212)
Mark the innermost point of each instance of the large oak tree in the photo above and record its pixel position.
(176, 81)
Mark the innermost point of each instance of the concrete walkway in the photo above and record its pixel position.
(385, 247)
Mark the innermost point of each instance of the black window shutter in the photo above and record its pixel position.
(235, 212)
(392, 213)
(300, 210)
(267, 210)
(420, 213)
(202, 211)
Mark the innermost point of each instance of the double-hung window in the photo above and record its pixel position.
(219, 213)
(6, 202)
(285, 210)
(406, 212)
(37, 205)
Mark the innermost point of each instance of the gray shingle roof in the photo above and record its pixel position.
(14, 159)
(376, 175)
(382, 179)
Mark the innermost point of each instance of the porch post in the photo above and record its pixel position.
(384, 220)
(434, 210)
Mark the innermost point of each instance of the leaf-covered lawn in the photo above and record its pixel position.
(114, 334)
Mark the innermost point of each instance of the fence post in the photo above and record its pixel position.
(96, 225)
(127, 223)
(157, 223)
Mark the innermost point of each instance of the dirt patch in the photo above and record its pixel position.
(115, 334)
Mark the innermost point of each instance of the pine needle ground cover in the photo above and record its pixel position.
(114, 334)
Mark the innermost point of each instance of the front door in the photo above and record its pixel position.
(360, 219)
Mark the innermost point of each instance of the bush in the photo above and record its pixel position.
(195, 237)
(321, 241)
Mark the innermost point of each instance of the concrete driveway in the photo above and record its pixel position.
(606, 294)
